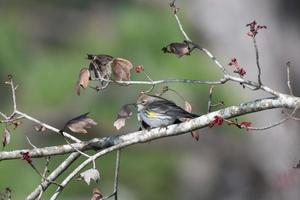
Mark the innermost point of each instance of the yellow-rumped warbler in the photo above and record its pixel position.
(155, 111)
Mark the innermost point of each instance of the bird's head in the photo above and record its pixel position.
(144, 100)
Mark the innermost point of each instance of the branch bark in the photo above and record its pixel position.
(285, 101)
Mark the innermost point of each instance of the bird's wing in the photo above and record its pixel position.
(171, 109)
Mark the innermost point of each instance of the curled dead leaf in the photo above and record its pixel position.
(123, 114)
(195, 133)
(16, 124)
(83, 79)
(179, 49)
(121, 69)
(188, 106)
(100, 65)
(80, 124)
(139, 69)
(119, 123)
(97, 195)
(5, 137)
(90, 174)
(39, 128)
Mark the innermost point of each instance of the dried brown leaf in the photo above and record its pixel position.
(196, 134)
(119, 123)
(121, 69)
(188, 106)
(16, 124)
(83, 79)
(90, 174)
(80, 124)
(179, 49)
(101, 65)
(39, 128)
(123, 114)
(5, 137)
(99, 62)
(96, 194)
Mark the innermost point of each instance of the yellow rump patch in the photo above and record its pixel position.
(151, 114)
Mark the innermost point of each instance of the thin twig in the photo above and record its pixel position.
(82, 153)
(44, 175)
(47, 126)
(46, 166)
(181, 28)
(175, 9)
(208, 82)
(247, 83)
(253, 85)
(117, 170)
(210, 99)
(291, 115)
(55, 173)
(116, 181)
(288, 67)
(269, 126)
(28, 140)
(41, 175)
(150, 79)
(214, 59)
(257, 62)
(11, 120)
(295, 118)
(15, 112)
(3, 115)
(190, 41)
(13, 90)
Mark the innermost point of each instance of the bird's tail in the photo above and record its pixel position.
(193, 115)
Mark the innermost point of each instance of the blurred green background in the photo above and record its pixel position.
(44, 45)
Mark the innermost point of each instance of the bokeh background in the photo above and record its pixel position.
(44, 45)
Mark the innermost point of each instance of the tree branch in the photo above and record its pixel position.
(257, 61)
(178, 129)
(288, 68)
(200, 122)
(67, 135)
(52, 177)
(209, 104)
(116, 181)
(116, 184)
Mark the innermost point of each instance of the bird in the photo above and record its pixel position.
(155, 111)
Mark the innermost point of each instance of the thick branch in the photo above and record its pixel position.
(112, 143)
(200, 122)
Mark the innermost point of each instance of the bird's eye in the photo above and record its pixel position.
(144, 101)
